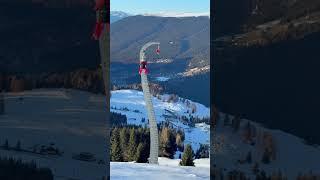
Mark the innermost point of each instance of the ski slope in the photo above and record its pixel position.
(131, 103)
(168, 169)
(67, 118)
(133, 100)
(162, 79)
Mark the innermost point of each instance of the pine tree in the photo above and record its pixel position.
(193, 108)
(146, 138)
(187, 157)
(203, 151)
(142, 153)
(124, 138)
(132, 145)
(138, 153)
(139, 135)
(116, 154)
(181, 132)
(179, 142)
(167, 143)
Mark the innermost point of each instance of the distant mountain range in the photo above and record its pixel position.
(177, 14)
(185, 52)
(117, 15)
(184, 38)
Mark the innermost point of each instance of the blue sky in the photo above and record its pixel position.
(156, 6)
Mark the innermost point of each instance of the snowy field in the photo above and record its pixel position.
(167, 169)
(67, 118)
(162, 78)
(131, 103)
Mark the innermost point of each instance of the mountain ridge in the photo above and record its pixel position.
(118, 15)
(180, 38)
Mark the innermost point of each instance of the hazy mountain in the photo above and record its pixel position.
(184, 59)
(181, 38)
(117, 15)
(177, 14)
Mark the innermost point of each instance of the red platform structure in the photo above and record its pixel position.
(143, 68)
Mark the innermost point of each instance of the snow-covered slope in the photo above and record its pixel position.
(75, 122)
(291, 155)
(167, 169)
(131, 103)
(117, 15)
(69, 119)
